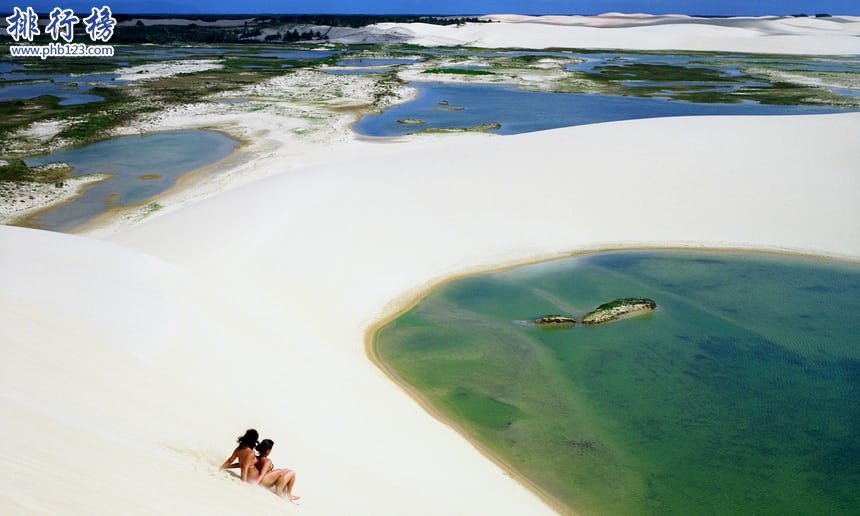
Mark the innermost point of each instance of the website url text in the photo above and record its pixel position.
(61, 50)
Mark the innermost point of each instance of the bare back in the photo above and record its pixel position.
(246, 463)
(247, 458)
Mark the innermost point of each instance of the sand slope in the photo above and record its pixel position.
(129, 365)
(835, 35)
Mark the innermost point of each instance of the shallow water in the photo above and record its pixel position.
(9, 67)
(592, 61)
(127, 158)
(356, 71)
(846, 92)
(520, 111)
(375, 62)
(299, 55)
(487, 54)
(70, 89)
(68, 94)
(366, 66)
(739, 395)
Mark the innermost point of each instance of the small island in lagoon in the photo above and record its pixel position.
(554, 321)
(620, 308)
(612, 311)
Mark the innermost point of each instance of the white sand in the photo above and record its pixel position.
(836, 35)
(130, 363)
(128, 366)
(166, 69)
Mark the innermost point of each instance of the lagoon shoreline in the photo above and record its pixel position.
(54, 197)
(408, 302)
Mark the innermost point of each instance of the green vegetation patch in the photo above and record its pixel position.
(625, 301)
(657, 72)
(459, 71)
(480, 128)
(16, 114)
(780, 93)
(88, 122)
(13, 169)
(16, 170)
(682, 83)
(190, 88)
(85, 123)
(152, 208)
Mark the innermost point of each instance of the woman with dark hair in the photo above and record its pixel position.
(244, 457)
(281, 480)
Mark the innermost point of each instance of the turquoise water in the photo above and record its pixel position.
(521, 111)
(126, 158)
(740, 394)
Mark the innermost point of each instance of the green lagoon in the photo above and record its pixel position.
(740, 394)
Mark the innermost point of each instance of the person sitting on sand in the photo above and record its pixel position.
(244, 457)
(259, 469)
(280, 480)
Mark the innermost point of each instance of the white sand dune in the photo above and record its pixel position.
(769, 34)
(129, 365)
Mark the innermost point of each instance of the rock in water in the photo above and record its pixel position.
(618, 308)
(410, 121)
(554, 320)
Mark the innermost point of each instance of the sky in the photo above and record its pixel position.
(703, 7)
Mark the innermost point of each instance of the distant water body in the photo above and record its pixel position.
(141, 167)
(457, 106)
(520, 111)
(740, 394)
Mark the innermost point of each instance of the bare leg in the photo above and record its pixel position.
(271, 479)
(290, 477)
(281, 484)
